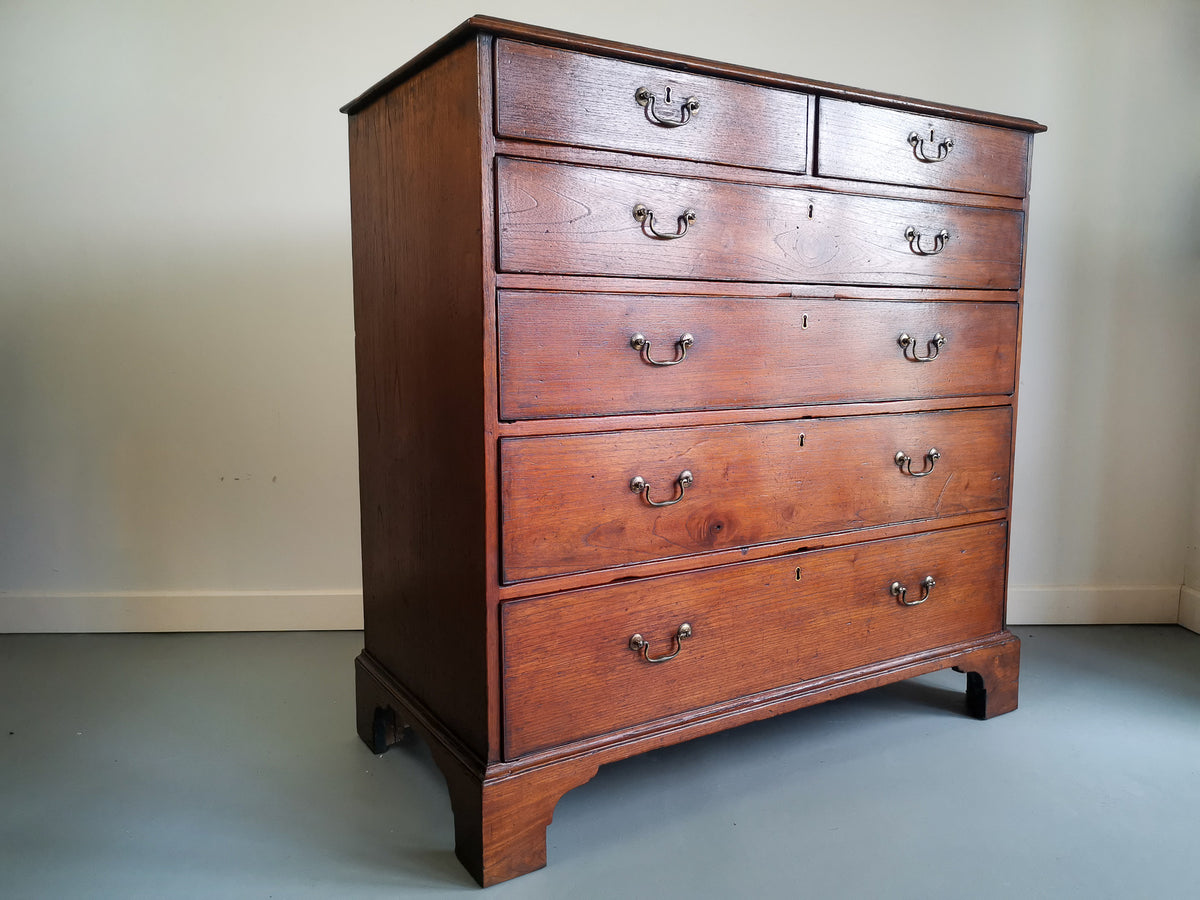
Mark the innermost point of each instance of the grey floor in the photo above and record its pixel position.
(227, 766)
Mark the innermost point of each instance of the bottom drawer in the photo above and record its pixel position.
(571, 671)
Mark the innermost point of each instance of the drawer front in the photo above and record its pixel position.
(754, 627)
(563, 219)
(567, 503)
(543, 94)
(871, 143)
(577, 354)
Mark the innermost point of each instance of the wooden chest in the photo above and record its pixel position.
(685, 398)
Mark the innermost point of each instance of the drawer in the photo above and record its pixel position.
(563, 219)
(754, 627)
(543, 94)
(576, 354)
(567, 503)
(871, 143)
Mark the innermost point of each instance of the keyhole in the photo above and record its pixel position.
(669, 100)
(804, 321)
(930, 130)
(810, 210)
(801, 439)
(797, 574)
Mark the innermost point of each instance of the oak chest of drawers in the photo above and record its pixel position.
(685, 398)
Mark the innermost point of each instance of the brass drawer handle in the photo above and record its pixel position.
(645, 216)
(904, 461)
(639, 486)
(639, 644)
(645, 99)
(918, 144)
(914, 241)
(638, 342)
(899, 591)
(935, 346)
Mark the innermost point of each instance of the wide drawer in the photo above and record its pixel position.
(570, 671)
(871, 143)
(567, 503)
(580, 354)
(563, 219)
(544, 94)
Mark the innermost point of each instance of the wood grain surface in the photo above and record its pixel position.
(504, 28)
(564, 219)
(870, 143)
(569, 672)
(421, 455)
(566, 504)
(570, 354)
(545, 94)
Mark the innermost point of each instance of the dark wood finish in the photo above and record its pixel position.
(491, 389)
(665, 419)
(755, 626)
(531, 33)
(686, 168)
(570, 354)
(676, 564)
(566, 505)
(421, 460)
(562, 219)
(567, 766)
(482, 261)
(613, 284)
(500, 818)
(546, 94)
(992, 679)
(870, 143)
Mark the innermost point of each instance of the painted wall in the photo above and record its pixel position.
(1189, 594)
(176, 343)
(1192, 576)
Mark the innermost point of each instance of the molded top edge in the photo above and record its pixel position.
(477, 25)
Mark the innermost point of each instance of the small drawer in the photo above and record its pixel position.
(543, 94)
(575, 220)
(568, 502)
(872, 143)
(751, 627)
(611, 354)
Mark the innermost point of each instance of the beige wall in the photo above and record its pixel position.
(176, 344)
(1192, 577)
(1189, 594)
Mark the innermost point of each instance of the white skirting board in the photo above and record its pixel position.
(1189, 608)
(341, 610)
(1088, 605)
(333, 610)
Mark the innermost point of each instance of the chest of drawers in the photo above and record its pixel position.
(685, 398)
